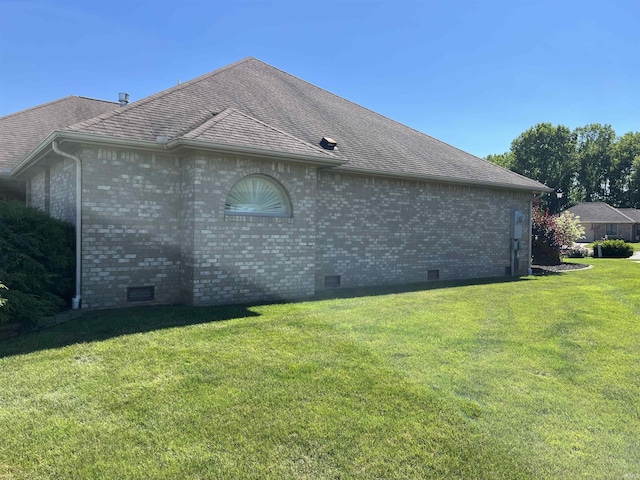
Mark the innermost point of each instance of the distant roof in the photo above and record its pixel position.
(22, 131)
(599, 212)
(260, 94)
(632, 213)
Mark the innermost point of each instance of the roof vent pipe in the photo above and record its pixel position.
(123, 98)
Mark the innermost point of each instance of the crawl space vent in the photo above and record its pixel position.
(332, 281)
(140, 294)
(433, 274)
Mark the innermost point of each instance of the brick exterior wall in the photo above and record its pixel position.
(37, 190)
(63, 190)
(156, 220)
(376, 231)
(246, 258)
(130, 226)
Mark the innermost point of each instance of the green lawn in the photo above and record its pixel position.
(537, 378)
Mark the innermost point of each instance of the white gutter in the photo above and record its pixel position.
(442, 179)
(62, 136)
(75, 302)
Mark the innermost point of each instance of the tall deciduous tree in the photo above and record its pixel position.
(547, 153)
(595, 146)
(505, 160)
(625, 182)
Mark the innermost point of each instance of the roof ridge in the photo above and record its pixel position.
(39, 106)
(96, 99)
(197, 125)
(160, 94)
(52, 102)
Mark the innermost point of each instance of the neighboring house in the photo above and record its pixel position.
(601, 220)
(249, 184)
(633, 214)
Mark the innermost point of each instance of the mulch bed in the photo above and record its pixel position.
(555, 269)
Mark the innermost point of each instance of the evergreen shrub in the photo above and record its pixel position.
(614, 249)
(37, 263)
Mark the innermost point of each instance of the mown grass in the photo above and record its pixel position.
(538, 378)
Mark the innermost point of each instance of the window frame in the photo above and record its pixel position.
(611, 231)
(277, 188)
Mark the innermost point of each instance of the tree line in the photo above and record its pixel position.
(588, 164)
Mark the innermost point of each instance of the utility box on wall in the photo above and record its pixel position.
(517, 222)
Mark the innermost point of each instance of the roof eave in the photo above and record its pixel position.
(35, 154)
(67, 135)
(259, 152)
(443, 179)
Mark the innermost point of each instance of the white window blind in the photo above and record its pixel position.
(257, 195)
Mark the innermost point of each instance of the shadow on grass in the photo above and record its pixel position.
(104, 324)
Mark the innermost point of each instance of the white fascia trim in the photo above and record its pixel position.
(61, 136)
(443, 179)
(259, 152)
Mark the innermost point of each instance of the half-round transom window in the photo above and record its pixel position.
(257, 195)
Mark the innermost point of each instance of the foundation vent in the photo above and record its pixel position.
(433, 274)
(140, 294)
(332, 281)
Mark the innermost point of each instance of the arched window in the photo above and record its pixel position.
(257, 195)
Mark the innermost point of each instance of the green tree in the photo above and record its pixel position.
(634, 184)
(504, 160)
(551, 234)
(594, 150)
(546, 153)
(3, 300)
(625, 186)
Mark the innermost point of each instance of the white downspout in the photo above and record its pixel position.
(75, 302)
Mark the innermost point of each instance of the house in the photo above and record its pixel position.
(633, 214)
(249, 184)
(601, 220)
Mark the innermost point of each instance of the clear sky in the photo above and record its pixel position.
(474, 74)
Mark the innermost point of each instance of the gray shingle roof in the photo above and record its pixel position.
(22, 131)
(632, 213)
(232, 127)
(284, 103)
(599, 212)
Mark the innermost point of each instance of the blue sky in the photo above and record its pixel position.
(474, 74)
